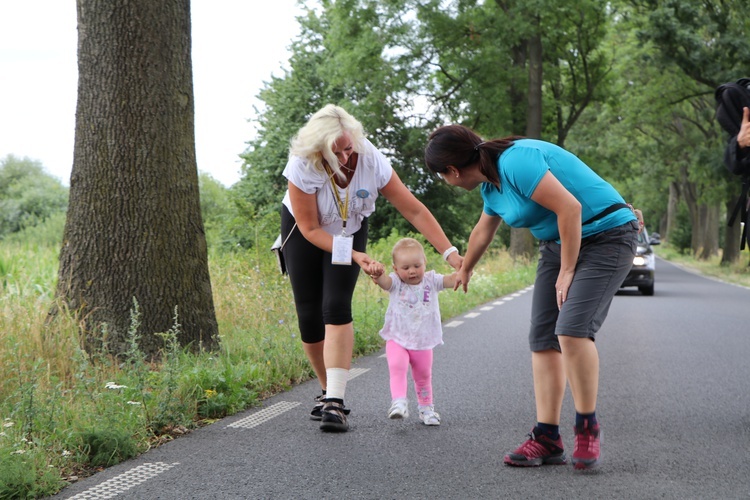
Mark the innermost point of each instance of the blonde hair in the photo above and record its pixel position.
(314, 141)
(406, 244)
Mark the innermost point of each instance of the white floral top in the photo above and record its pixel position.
(413, 316)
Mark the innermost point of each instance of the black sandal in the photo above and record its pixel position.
(317, 411)
(334, 416)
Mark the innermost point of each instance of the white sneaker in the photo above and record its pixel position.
(399, 409)
(428, 415)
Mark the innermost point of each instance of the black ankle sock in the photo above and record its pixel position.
(549, 430)
(581, 419)
(334, 400)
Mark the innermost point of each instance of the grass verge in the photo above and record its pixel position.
(66, 413)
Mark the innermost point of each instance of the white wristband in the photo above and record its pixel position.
(447, 253)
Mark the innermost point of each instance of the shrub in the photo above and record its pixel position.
(106, 447)
(28, 195)
(24, 473)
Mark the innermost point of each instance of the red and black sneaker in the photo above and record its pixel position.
(587, 450)
(536, 451)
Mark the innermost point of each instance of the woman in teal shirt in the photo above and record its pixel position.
(587, 239)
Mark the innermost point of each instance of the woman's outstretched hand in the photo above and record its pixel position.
(462, 280)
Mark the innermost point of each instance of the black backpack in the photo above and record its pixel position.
(730, 99)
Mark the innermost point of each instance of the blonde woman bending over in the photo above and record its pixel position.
(335, 177)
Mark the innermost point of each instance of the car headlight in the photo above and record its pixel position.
(639, 260)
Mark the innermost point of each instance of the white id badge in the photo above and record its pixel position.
(342, 250)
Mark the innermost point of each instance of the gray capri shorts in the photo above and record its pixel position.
(603, 263)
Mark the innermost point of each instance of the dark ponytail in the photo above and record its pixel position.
(462, 147)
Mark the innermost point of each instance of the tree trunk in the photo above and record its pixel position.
(690, 196)
(710, 231)
(522, 243)
(700, 242)
(134, 230)
(534, 109)
(696, 238)
(672, 204)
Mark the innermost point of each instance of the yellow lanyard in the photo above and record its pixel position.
(343, 207)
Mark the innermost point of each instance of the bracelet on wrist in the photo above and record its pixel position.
(448, 252)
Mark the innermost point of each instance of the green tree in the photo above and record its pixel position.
(349, 53)
(707, 40)
(28, 195)
(404, 67)
(216, 207)
(288, 102)
(513, 68)
(656, 140)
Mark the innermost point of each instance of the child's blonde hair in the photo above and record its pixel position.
(315, 139)
(406, 244)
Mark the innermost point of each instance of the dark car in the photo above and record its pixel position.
(641, 274)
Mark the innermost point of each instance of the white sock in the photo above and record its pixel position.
(336, 385)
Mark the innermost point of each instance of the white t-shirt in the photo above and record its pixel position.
(372, 174)
(413, 316)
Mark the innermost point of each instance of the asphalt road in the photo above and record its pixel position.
(674, 408)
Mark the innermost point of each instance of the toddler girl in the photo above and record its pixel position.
(412, 326)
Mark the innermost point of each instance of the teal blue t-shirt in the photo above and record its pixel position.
(521, 168)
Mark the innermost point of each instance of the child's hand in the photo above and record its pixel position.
(379, 277)
(376, 270)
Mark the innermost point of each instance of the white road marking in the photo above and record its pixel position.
(356, 372)
(264, 415)
(122, 483)
(277, 409)
(499, 302)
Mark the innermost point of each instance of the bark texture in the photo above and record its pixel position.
(134, 228)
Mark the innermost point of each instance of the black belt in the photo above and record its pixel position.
(607, 211)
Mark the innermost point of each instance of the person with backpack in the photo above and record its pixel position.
(733, 114)
(587, 239)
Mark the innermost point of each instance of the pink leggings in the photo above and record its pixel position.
(399, 360)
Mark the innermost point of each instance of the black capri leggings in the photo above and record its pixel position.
(322, 291)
